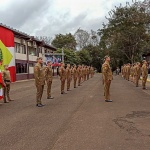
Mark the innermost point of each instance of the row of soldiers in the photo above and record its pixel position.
(133, 72)
(42, 74)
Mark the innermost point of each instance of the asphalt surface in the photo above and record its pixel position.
(78, 120)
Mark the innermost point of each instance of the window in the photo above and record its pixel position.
(31, 65)
(23, 49)
(40, 50)
(21, 67)
(32, 51)
(19, 48)
(45, 50)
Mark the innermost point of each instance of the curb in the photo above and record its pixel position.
(54, 77)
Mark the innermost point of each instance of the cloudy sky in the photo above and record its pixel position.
(50, 17)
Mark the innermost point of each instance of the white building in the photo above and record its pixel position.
(27, 49)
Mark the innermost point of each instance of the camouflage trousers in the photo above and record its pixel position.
(84, 77)
(137, 78)
(79, 81)
(75, 81)
(49, 85)
(88, 76)
(106, 90)
(6, 91)
(144, 79)
(68, 83)
(62, 85)
(39, 93)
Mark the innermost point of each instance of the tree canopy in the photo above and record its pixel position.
(64, 41)
(125, 37)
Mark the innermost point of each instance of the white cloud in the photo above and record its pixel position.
(50, 17)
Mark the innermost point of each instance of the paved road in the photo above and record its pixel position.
(79, 120)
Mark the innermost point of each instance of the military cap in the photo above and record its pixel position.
(48, 62)
(143, 60)
(38, 58)
(106, 56)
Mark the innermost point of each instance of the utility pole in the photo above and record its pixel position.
(62, 55)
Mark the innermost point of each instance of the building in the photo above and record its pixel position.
(26, 50)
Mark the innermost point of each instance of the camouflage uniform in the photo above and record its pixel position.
(107, 77)
(144, 75)
(68, 75)
(6, 89)
(49, 77)
(75, 76)
(62, 72)
(39, 75)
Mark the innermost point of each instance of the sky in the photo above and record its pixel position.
(51, 17)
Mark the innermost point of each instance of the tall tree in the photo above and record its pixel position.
(84, 56)
(70, 56)
(125, 33)
(64, 41)
(82, 38)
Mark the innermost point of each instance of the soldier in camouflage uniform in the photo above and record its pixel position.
(7, 81)
(62, 73)
(68, 76)
(137, 73)
(49, 78)
(144, 74)
(88, 72)
(39, 75)
(79, 75)
(107, 78)
(75, 75)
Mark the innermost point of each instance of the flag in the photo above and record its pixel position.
(7, 54)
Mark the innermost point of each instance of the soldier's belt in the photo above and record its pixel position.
(6, 80)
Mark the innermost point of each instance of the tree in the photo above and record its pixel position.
(96, 56)
(46, 39)
(64, 41)
(84, 56)
(82, 38)
(70, 56)
(124, 36)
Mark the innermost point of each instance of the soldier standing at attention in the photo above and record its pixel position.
(71, 73)
(49, 77)
(68, 76)
(137, 73)
(88, 72)
(39, 75)
(107, 78)
(7, 81)
(128, 71)
(144, 74)
(62, 72)
(134, 76)
(79, 75)
(131, 73)
(84, 73)
(75, 75)
(82, 77)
